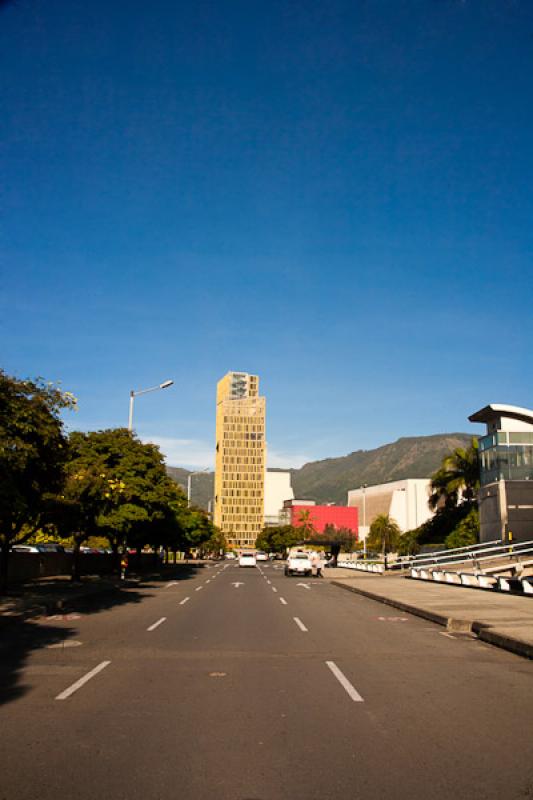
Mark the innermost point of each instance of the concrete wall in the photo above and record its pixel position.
(506, 506)
(404, 501)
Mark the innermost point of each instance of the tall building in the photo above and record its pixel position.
(240, 458)
(506, 473)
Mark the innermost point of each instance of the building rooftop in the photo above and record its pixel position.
(494, 411)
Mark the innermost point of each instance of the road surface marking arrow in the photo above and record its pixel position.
(237, 584)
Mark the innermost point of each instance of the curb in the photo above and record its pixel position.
(481, 629)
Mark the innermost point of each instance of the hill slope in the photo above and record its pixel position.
(202, 485)
(328, 481)
(409, 457)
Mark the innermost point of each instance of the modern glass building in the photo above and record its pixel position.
(506, 456)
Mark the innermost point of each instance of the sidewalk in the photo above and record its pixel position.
(504, 620)
(57, 594)
(54, 594)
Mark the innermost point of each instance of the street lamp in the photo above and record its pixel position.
(363, 487)
(134, 394)
(189, 483)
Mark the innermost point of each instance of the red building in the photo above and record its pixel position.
(320, 516)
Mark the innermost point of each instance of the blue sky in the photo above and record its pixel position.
(335, 196)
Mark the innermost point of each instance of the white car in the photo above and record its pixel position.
(298, 564)
(230, 556)
(247, 560)
(260, 556)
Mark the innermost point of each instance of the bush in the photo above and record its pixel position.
(466, 533)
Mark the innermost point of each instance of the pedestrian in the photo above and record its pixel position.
(316, 564)
(123, 565)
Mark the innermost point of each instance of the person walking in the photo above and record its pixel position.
(316, 564)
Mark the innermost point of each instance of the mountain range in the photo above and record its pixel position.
(329, 480)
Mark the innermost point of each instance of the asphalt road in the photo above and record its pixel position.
(274, 689)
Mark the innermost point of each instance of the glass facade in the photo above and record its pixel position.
(506, 456)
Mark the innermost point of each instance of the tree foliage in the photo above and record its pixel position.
(123, 492)
(457, 479)
(466, 532)
(384, 534)
(278, 538)
(454, 498)
(33, 451)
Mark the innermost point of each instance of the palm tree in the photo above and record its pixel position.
(305, 524)
(384, 534)
(457, 479)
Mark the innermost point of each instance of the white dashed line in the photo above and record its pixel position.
(185, 600)
(209, 581)
(345, 683)
(156, 624)
(269, 582)
(82, 681)
(198, 588)
(274, 589)
(283, 601)
(300, 624)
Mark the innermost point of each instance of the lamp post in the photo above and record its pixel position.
(363, 487)
(189, 483)
(134, 394)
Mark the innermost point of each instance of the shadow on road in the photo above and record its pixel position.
(35, 627)
(17, 639)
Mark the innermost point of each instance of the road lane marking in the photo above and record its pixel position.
(305, 585)
(172, 583)
(156, 624)
(209, 581)
(274, 589)
(345, 683)
(282, 600)
(269, 582)
(185, 600)
(198, 588)
(82, 681)
(445, 633)
(300, 624)
(237, 584)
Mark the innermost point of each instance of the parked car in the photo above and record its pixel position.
(50, 547)
(260, 556)
(247, 560)
(24, 548)
(230, 556)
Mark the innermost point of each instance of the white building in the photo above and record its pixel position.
(405, 501)
(277, 489)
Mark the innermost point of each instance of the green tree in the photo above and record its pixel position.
(454, 495)
(278, 538)
(120, 489)
(216, 544)
(336, 538)
(466, 532)
(457, 479)
(408, 544)
(305, 524)
(33, 451)
(384, 534)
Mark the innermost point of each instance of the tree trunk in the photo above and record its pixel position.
(75, 574)
(4, 561)
(116, 556)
